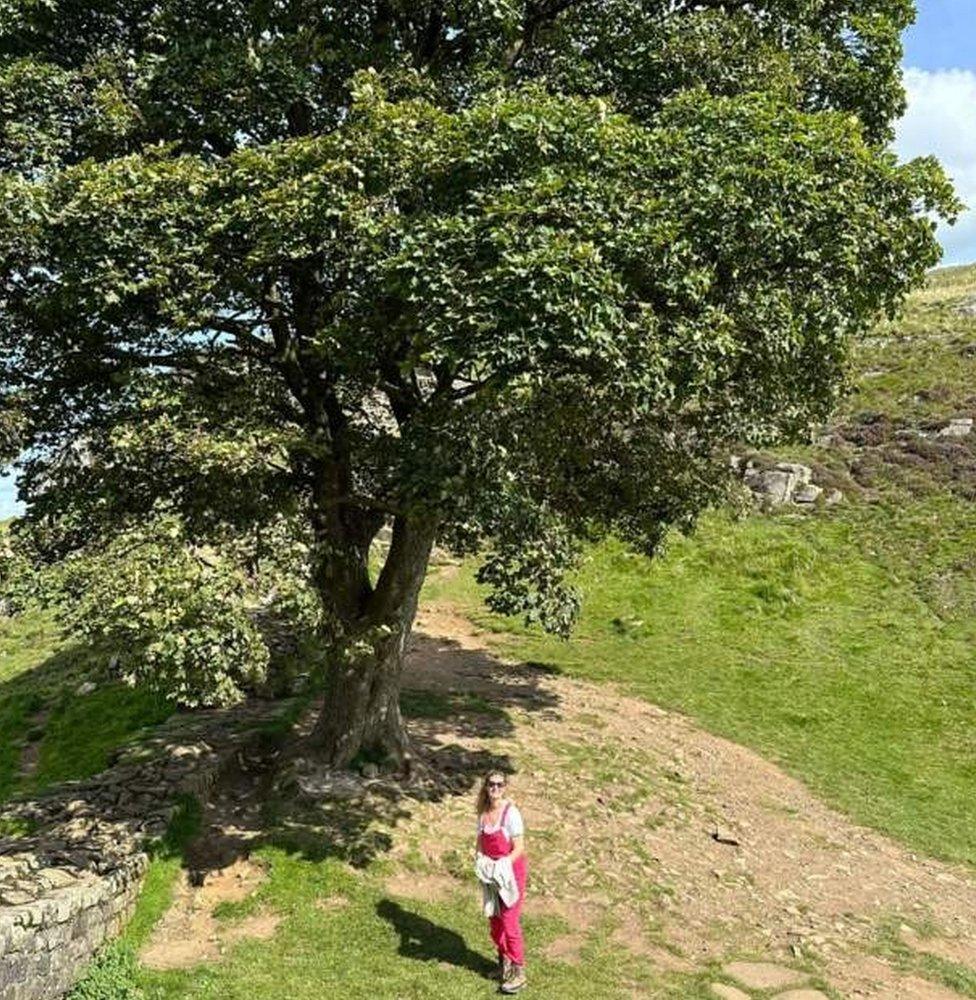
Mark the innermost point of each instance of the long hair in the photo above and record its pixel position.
(483, 802)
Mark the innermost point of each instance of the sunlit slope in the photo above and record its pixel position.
(837, 640)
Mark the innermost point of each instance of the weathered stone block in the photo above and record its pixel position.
(807, 493)
(16, 969)
(776, 485)
(803, 473)
(957, 428)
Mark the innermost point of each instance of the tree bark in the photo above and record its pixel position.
(360, 717)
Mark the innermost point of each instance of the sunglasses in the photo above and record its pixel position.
(496, 784)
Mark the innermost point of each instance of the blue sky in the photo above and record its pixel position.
(943, 36)
(8, 498)
(940, 77)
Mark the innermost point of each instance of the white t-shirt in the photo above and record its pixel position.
(513, 824)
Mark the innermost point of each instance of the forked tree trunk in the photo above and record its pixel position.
(361, 712)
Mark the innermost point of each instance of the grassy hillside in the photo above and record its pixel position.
(839, 642)
(48, 731)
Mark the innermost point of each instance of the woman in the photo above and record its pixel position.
(501, 833)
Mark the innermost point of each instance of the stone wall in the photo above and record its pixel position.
(45, 942)
(70, 878)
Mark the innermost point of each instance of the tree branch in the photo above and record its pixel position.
(399, 581)
(537, 16)
(432, 33)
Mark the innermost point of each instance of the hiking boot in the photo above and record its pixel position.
(504, 965)
(515, 979)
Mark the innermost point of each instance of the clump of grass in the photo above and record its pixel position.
(416, 704)
(111, 976)
(15, 826)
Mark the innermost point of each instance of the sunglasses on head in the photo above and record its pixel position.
(496, 784)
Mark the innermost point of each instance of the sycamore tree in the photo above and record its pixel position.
(506, 274)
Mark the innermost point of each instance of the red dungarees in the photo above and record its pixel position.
(506, 931)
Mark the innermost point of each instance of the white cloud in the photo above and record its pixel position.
(941, 120)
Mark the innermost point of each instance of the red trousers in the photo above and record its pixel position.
(506, 928)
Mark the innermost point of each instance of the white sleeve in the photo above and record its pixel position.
(514, 826)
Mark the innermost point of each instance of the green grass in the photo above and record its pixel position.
(956, 977)
(436, 705)
(25, 643)
(787, 637)
(113, 974)
(82, 732)
(39, 678)
(919, 367)
(375, 945)
(166, 860)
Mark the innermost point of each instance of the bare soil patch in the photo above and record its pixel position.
(631, 936)
(567, 947)
(623, 801)
(914, 988)
(218, 869)
(427, 889)
(962, 952)
(189, 933)
(30, 753)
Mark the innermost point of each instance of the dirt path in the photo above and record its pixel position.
(696, 848)
(30, 753)
(692, 852)
(218, 870)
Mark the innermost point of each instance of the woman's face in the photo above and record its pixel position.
(496, 788)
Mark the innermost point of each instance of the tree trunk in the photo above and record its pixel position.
(361, 714)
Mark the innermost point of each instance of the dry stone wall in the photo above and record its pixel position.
(47, 940)
(70, 877)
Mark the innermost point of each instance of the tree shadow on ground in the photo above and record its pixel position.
(451, 697)
(270, 789)
(61, 718)
(423, 940)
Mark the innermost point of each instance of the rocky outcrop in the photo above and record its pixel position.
(967, 308)
(782, 483)
(70, 875)
(957, 428)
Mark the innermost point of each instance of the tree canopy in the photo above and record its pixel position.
(507, 274)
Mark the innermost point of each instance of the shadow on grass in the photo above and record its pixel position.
(423, 940)
(272, 791)
(54, 729)
(50, 733)
(269, 790)
(451, 695)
